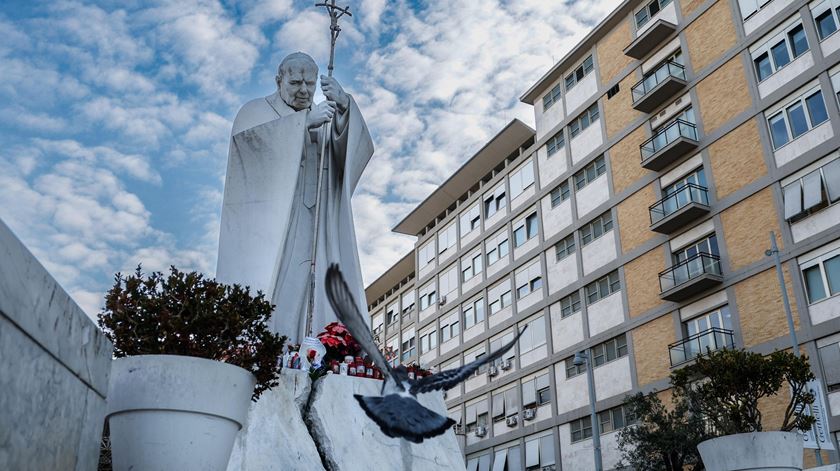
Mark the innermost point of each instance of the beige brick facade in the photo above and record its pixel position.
(737, 159)
(650, 346)
(634, 219)
(611, 58)
(746, 229)
(618, 110)
(760, 307)
(642, 279)
(711, 35)
(688, 6)
(723, 95)
(625, 160)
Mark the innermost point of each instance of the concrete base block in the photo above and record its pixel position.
(350, 441)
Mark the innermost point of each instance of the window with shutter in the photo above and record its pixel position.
(830, 358)
(793, 199)
(532, 453)
(812, 194)
(529, 393)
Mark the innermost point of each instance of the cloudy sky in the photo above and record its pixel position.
(115, 116)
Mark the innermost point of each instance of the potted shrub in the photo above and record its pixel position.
(191, 353)
(724, 388)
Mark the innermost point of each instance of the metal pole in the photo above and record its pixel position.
(774, 251)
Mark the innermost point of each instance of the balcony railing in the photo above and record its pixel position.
(688, 202)
(702, 342)
(658, 81)
(667, 135)
(690, 276)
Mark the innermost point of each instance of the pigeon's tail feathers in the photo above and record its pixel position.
(401, 416)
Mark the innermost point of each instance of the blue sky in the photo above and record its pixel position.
(115, 115)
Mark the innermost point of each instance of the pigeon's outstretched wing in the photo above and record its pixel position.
(450, 378)
(403, 417)
(348, 313)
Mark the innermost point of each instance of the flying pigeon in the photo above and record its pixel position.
(396, 410)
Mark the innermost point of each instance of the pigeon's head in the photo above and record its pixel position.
(400, 373)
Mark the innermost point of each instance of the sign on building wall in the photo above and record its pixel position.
(819, 437)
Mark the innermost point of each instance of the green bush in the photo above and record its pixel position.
(186, 314)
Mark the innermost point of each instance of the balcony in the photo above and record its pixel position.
(649, 39)
(681, 207)
(663, 83)
(702, 342)
(689, 277)
(669, 144)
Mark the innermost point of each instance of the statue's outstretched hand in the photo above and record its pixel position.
(320, 114)
(333, 92)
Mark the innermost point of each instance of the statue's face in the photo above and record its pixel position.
(297, 84)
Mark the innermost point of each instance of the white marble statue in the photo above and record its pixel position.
(268, 212)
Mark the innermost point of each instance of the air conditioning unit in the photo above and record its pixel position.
(492, 371)
(442, 300)
(548, 468)
(529, 414)
(511, 421)
(507, 364)
(481, 431)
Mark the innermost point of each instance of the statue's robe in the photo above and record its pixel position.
(268, 210)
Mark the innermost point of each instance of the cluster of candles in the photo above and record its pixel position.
(356, 367)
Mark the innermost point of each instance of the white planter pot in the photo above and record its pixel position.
(169, 412)
(758, 451)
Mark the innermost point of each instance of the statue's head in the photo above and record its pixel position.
(296, 79)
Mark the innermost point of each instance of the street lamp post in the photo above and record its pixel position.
(582, 358)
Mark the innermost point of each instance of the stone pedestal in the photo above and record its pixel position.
(54, 368)
(278, 437)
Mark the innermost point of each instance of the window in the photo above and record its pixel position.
(427, 253)
(822, 276)
(528, 280)
(706, 245)
(555, 143)
(428, 296)
(750, 7)
(536, 392)
(813, 192)
(526, 230)
(408, 346)
(584, 120)
(394, 346)
(497, 343)
(534, 335)
(377, 323)
(471, 266)
(615, 419)
(521, 179)
(830, 359)
(601, 288)
(499, 297)
(450, 327)
(826, 17)
(473, 313)
(579, 73)
(581, 428)
(476, 354)
(779, 50)
(408, 302)
(498, 247)
(552, 97)
(649, 11)
(447, 238)
(588, 174)
(505, 404)
(539, 452)
(448, 283)
(476, 415)
(612, 91)
(610, 350)
(560, 194)
(428, 341)
(573, 370)
(797, 118)
(570, 304)
(495, 201)
(564, 248)
(470, 220)
(595, 229)
(391, 314)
